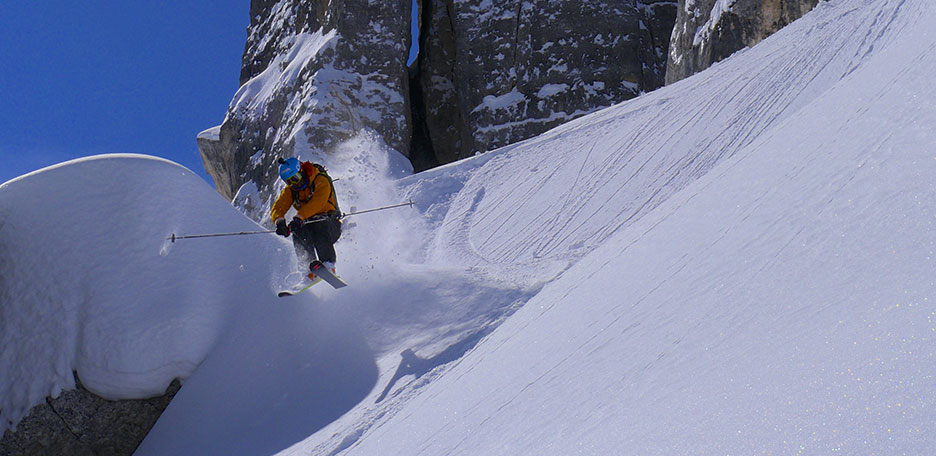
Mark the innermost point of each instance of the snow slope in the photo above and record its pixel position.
(758, 279)
(744, 265)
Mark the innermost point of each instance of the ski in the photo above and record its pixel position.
(322, 273)
(285, 293)
(325, 274)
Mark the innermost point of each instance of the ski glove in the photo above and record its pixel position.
(281, 228)
(295, 224)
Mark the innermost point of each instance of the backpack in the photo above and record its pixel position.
(331, 196)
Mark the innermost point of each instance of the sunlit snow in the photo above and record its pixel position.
(743, 262)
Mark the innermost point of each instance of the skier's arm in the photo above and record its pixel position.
(281, 206)
(319, 203)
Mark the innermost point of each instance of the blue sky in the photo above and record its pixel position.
(414, 31)
(84, 78)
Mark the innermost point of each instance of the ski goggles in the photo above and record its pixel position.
(294, 179)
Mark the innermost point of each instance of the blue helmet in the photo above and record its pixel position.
(288, 167)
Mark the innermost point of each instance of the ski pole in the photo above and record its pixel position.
(319, 218)
(192, 236)
(315, 219)
(409, 203)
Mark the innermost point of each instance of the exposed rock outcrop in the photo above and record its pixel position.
(77, 422)
(494, 74)
(489, 74)
(313, 73)
(708, 31)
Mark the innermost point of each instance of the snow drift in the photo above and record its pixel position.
(88, 282)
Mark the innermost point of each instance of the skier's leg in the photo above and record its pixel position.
(324, 248)
(323, 236)
(305, 247)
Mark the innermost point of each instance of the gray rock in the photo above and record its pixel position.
(489, 74)
(708, 31)
(313, 73)
(217, 159)
(495, 74)
(77, 422)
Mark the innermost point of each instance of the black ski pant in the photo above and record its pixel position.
(317, 239)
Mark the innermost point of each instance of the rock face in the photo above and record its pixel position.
(708, 31)
(494, 74)
(488, 74)
(313, 74)
(79, 423)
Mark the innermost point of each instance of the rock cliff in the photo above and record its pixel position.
(708, 31)
(494, 74)
(488, 74)
(313, 74)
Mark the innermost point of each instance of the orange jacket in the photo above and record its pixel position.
(315, 199)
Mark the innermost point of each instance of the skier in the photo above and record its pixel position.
(317, 225)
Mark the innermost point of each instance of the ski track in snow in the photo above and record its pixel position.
(748, 98)
(751, 95)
